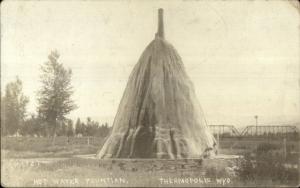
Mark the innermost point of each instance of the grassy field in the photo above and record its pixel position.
(31, 147)
(35, 162)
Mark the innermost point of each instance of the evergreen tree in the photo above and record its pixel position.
(54, 98)
(78, 128)
(13, 108)
(70, 129)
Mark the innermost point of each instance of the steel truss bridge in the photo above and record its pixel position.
(252, 130)
(229, 130)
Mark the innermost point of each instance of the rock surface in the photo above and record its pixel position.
(159, 115)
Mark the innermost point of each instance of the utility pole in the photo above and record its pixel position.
(256, 117)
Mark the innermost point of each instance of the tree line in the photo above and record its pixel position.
(55, 102)
(35, 126)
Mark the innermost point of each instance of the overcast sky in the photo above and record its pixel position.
(242, 56)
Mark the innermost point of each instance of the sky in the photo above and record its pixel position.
(242, 56)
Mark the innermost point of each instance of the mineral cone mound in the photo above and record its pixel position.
(159, 115)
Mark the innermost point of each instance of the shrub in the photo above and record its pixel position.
(214, 171)
(264, 167)
(266, 147)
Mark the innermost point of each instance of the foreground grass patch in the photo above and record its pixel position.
(93, 172)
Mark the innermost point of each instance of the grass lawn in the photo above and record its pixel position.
(31, 147)
(35, 162)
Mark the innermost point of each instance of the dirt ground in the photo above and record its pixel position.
(140, 172)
